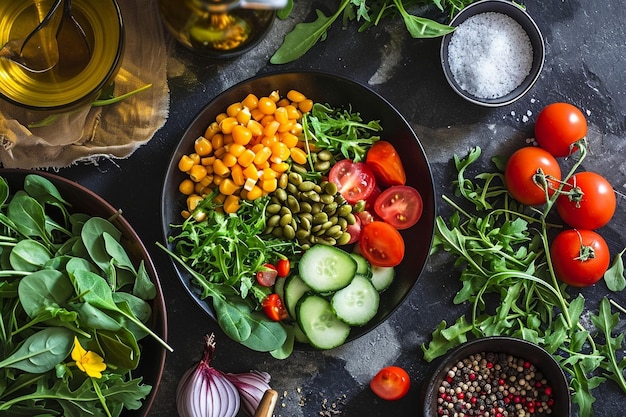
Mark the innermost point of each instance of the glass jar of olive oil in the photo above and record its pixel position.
(219, 28)
(63, 87)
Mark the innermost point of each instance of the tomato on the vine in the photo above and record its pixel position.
(400, 205)
(274, 308)
(384, 160)
(355, 181)
(588, 201)
(558, 127)
(391, 383)
(529, 172)
(579, 257)
(381, 244)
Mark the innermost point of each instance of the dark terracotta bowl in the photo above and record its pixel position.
(85, 201)
(336, 91)
(530, 27)
(543, 361)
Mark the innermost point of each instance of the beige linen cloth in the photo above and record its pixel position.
(91, 133)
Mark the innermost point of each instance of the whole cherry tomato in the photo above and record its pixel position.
(588, 201)
(558, 127)
(381, 244)
(529, 172)
(579, 257)
(384, 160)
(274, 308)
(391, 383)
(283, 267)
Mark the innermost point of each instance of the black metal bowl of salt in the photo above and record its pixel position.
(498, 375)
(495, 54)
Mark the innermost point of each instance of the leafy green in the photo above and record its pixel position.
(223, 254)
(502, 251)
(56, 286)
(342, 132)
(370, 13)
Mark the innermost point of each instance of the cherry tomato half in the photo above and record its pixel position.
(381, 244)
(589, 202)
(274, 308)
(384, 160)
(401, 206)
(266, 277)
(391, 383)
(558, 127)
(523, 180)
(355, 180)
(579, 257)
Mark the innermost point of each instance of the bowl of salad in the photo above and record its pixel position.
(300, 206)
(82, 296)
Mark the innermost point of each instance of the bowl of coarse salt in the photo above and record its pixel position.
(494, 55)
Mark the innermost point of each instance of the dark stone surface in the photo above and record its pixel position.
(585, 65)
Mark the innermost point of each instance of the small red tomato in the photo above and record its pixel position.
(274, 308)
(529, 171)
(283, 267)
(391, 383)
(579, 257)
(384, 160)
(355, 180)
(266, 277)
(400, 205)
(558, 127)
(381, 244)
(588, 201)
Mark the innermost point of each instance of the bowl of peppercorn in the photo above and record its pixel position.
(495, 54)
(499, 375)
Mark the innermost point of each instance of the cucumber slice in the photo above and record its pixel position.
(279, 287)
(363, 267)
(320, 324)
(326, 268)
(382, 277)
(295, 288)
(299, 334)
(358, 303)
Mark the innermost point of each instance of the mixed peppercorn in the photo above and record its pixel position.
(494, 385)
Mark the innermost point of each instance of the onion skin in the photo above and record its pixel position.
(204, 391)
(251, 386)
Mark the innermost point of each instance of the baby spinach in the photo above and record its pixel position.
(67, 275)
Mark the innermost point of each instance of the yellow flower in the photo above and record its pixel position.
(87, 361)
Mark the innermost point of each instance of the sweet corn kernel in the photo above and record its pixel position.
(241, 134)
(228, 124)
(262, 155)
(229, 160)
(228, 187)
(220, 169)
(185, 163)
(295, 96)
(268, 185)
(186, 186)
(233, 109)
(249, 184)
(255, 128)
(251, 172)
(236, 149)
(305, 106)
(250, 101)
(202, 146)
(236, 173)
(193, 201)
(246, 158)
(298, 155)
(197, 173)
(231, 204)
(244, 116)
(254, 193)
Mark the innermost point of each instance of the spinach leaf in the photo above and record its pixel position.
(42, 351)
(43, 289)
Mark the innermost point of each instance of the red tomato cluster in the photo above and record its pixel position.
(390, 205)
(585, 201)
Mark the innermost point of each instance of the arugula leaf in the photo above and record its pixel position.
(341, 132)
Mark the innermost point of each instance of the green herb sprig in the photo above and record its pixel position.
(370, 12)
(341, 132)
(506, 274)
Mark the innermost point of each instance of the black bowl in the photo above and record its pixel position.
(86, 201)
(543, 361)
(336, 91)
(530, 27)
